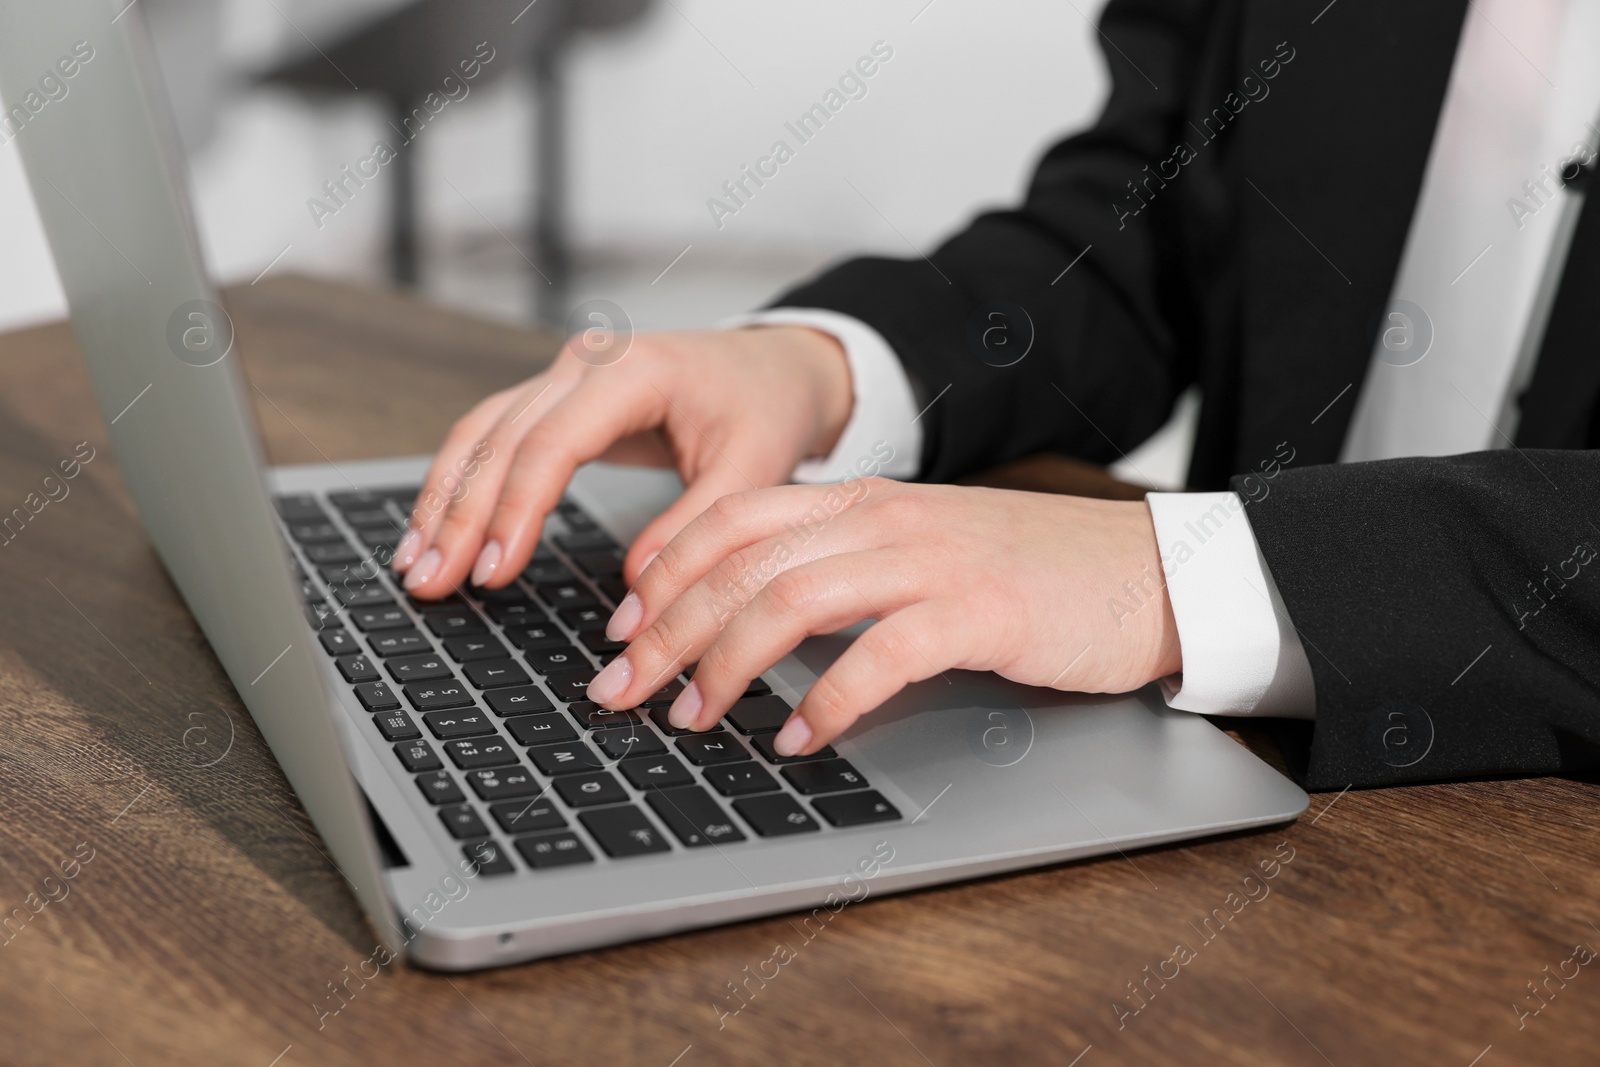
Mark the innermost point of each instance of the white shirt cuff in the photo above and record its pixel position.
(1241, 655)
(881, 436)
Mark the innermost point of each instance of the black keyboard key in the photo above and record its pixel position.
(463, 822)
(390, 616)
(759, 715)
(548, 572)
(523, 700)
(527, 816)
(314, 533)
(493, 783)
(613, 589)
(321, 614)
(585, 619)
(591, 789)
(453, 622)
(656, 772)
(828, 776)
(340, 551)
(475, 648)
(566, 595)
(440, 788)
(558, 658)
(299, 507)
(741, 779)
(663, 697)
(597, 642)
(372, 519)
(659, 717)
(418, 756)
(510, 594)
(603, 564)
(624, 832)
(366, 595)
(693, 817)
(553, 850)
(396, 726)
(487, 857)
(570, 757)
(356, 499)
(517, 613)
(543, 729)
(545, 635)
(420, 668)
(337, 641)
(352, 575)
(592, 716)
(437, 696)
(356, 668)
(451, 600)
(775, 815)
(449, 725)
(399, 643)
(571, 685)
(763, 743)
(706, 749)
(590, 540)
(377, 696)
(856, 809)
(384, 537)
(475, 752)
(496, 674)
(620, 742)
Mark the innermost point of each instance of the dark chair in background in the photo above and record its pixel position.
(404, 55)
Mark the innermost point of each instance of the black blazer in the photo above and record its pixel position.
(1256, 261)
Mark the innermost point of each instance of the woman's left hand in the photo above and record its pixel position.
(1047, 590)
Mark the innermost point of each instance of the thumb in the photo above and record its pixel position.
(699, 495)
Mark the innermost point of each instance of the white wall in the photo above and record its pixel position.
(953, 122)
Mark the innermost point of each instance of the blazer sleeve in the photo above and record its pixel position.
(1450, 607)
(1104, 340)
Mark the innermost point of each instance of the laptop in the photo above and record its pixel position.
(481, 810)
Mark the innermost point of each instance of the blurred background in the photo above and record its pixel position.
(579, 162)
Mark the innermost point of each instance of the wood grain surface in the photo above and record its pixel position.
(202, 924)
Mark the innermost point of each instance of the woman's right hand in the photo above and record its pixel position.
(731, 410)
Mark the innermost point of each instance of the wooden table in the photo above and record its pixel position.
(207, 926)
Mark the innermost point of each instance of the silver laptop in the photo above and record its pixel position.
(481, 811)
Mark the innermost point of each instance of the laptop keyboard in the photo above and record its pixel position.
(482, 697)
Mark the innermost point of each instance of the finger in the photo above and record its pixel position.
(819, 597)
(730, 524)
(722, 480)
(432, 497)
(690, 624)
(608, 405)
(907, 646)
(456, 543)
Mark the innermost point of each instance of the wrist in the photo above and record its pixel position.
(1163, 652)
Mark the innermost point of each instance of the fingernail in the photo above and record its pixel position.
(612, 682)
(488, 560)
(795, 736)
(426, 568)
(405, 553)
(628, 615)
(683, 711)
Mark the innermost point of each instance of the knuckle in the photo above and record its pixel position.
(793, 592)
(726, 512)
(828, 701)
